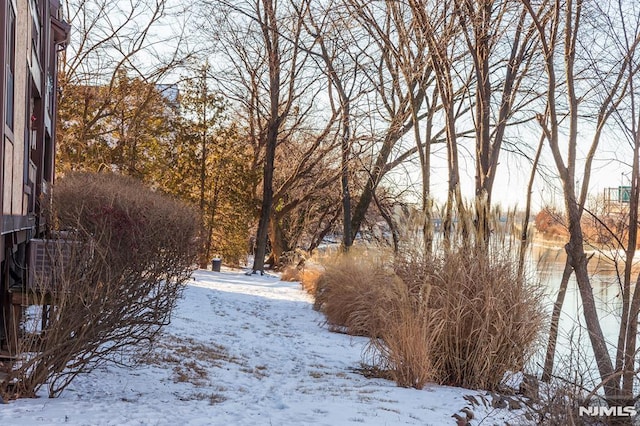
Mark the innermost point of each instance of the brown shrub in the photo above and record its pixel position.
(310, 276)
(360, 296)
(402, 347)
(464, 319)
(351, 293)
(551, 223)
(114, 287)
(307, 276)
(290, 274)
(486, 319)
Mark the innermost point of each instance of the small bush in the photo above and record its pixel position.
(362, 296)
(129, 253)
(309, 278)
(352, 295)
(291, 274)
(402, 346)
(487, 319)
(551, 223)
(464, 319)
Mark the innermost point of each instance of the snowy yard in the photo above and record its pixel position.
(247, 351)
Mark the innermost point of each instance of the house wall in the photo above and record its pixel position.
(15, 150)
(27, 151)
(27, 146)
(13, 205)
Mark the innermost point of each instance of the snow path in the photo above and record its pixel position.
(246, 351)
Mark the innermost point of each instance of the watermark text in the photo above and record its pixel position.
(614, 411)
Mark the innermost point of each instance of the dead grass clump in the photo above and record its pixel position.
(403, 346)
(352, 295)
(309, 277)
(307, 273)
(190, 372)
(213, 398)
(174, 350)
(485, 319)
(290, 274)
(461, 319)
(362, 297)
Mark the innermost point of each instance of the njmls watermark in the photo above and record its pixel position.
(614, 411)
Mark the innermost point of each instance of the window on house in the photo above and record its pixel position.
(10, 65)
(35, 29)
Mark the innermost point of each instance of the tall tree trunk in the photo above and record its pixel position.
(203, 169)
(271, 37)
(629, 320)
(379, 169)
(424, 154)
(203, 153)
(563, 20)
(524, 235)
(480, 22)
(347, 241)
(395, 235)
(578, 260)
(345, 137)
(627, 335)
(279, 242)
(267, 199)
(547, 370)
(480, 53)
(439, 42)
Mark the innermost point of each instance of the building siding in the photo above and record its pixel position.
(28, 145)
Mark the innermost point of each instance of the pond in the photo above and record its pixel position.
(574, 357)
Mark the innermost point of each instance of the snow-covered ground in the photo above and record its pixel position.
(247, 351)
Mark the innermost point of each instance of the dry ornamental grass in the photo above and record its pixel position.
(462, 319)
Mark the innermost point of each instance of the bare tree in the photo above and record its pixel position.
(410, 52)
(333, 35)
(269, 76)
(562, 28)
(111, 40)
(441, 33)
(304, 182)
(628, 118)
(404, 96)
(493, 30)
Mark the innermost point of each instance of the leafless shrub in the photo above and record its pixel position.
(575, 387)
(133, 250)
(558, 406)
(464, 319)
(352, 294)
(487, 318)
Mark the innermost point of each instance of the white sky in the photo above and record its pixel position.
(513, 176)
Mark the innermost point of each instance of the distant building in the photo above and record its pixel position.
(31, 36)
